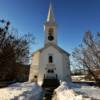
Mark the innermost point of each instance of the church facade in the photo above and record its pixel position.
(51, 61)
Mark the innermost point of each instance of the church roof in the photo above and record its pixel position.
(50, 17)
(55, 46)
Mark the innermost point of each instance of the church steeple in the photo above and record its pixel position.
(50, 17)
(50, 28)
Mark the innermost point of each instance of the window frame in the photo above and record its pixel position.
(50, 58)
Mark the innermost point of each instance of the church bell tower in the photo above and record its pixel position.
(50, 62)
(50, 28)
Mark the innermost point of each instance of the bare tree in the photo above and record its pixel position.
(13, 49)
(87, 54)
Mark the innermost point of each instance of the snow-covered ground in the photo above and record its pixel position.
(73, 91)
(66, 91)
(21, 91)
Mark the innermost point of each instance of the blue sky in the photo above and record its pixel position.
(74, 17)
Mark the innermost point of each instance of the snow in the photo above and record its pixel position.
(66, 91)
(21, 91)
(73, 91)
(93, 92)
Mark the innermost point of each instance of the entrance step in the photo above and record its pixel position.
(49, 85)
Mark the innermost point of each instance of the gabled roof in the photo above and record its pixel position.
(55, 46)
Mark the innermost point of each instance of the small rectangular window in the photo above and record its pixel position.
(50, 58)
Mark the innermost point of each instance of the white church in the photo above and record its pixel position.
(51, 61)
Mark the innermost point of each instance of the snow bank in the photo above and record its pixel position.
(21, 91)
(93, 92)
(64, 92)
(73, 91)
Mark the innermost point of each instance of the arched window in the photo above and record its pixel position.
(50, 59)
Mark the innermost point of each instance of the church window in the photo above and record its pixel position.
(50, 59)
(50, 71)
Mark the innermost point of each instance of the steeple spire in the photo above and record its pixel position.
(50, 17)
(50, 28)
